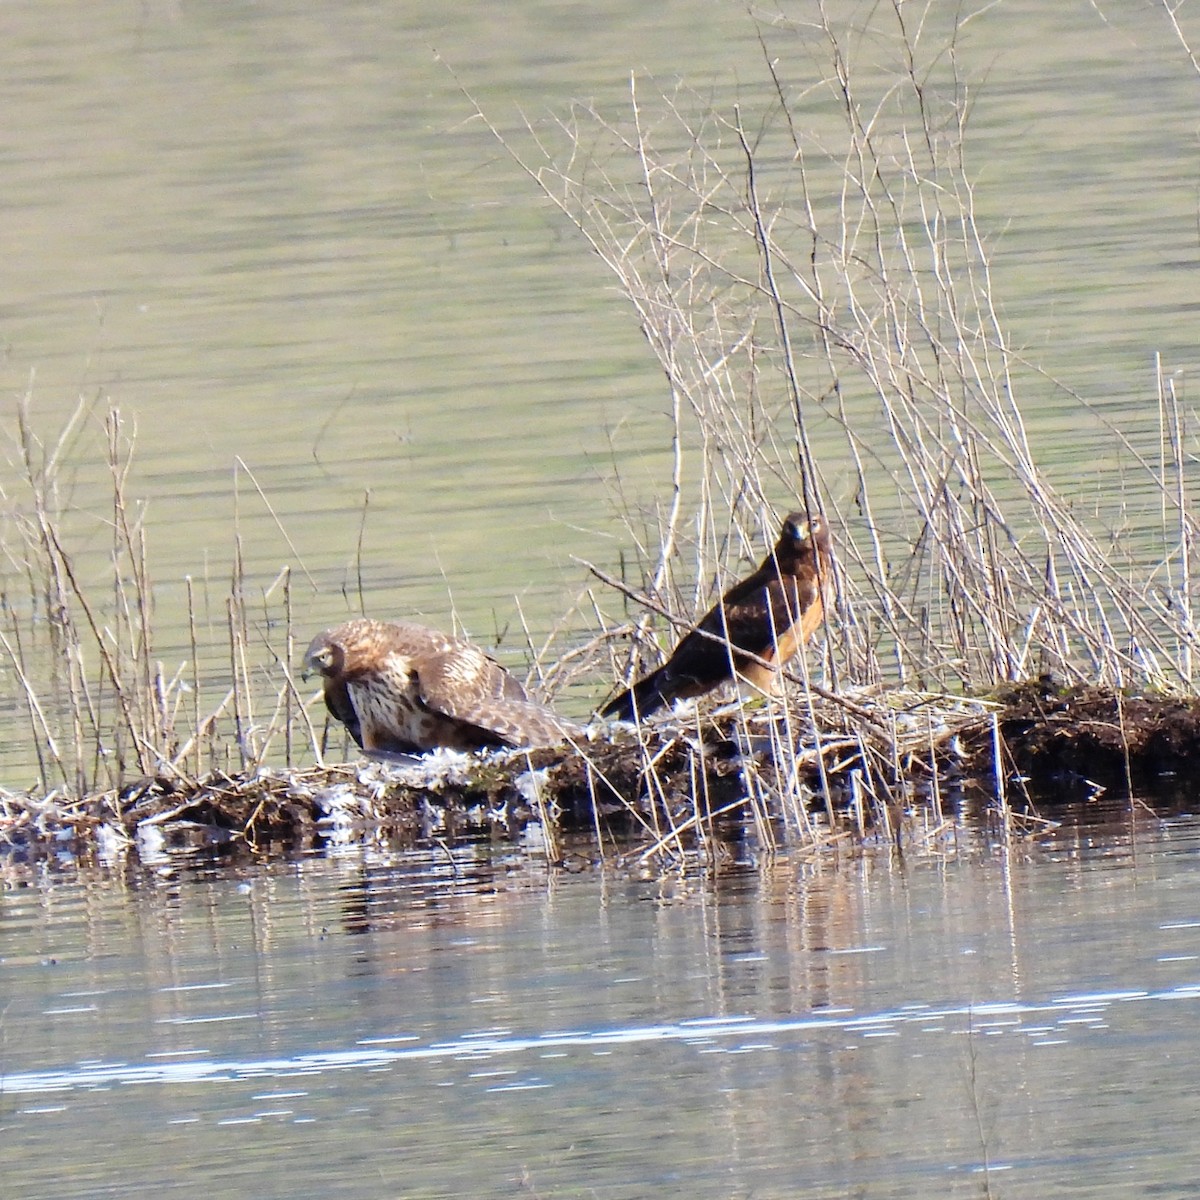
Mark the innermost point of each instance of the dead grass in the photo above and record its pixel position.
(810, 273)
(102, 706)
(833, 289)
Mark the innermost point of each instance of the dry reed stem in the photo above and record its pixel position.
(960, 562)
(86, 663)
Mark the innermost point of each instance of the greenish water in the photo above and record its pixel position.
(1015, 1024)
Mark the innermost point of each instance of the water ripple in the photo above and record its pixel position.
(374, 1053)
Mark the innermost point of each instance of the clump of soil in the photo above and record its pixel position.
(866, 758)
(1085, 737)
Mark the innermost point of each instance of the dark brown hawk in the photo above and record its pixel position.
(401, 689)
(768, 616)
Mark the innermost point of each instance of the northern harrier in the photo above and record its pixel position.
(768, 616)
(401, 688)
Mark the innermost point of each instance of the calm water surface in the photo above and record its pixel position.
(1019, 1025)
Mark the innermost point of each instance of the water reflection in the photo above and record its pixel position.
(437, 1024)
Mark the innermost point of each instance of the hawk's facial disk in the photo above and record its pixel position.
(799, 530)
(796, 528)
(323, 656)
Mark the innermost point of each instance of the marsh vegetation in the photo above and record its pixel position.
(816, 283)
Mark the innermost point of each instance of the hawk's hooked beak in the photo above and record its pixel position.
(321, 658)
(309, 667)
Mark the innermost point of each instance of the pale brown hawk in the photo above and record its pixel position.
(767, 616)
(402, 688)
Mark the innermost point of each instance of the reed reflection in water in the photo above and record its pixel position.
(1019, 1022)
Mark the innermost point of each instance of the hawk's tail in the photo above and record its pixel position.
(645, 697)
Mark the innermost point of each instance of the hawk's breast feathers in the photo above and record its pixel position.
(757, 625)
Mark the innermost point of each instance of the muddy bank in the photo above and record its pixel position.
(858, 761)
(1079, 739)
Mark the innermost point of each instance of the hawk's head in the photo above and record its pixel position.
(800, 530)
(324, 656)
